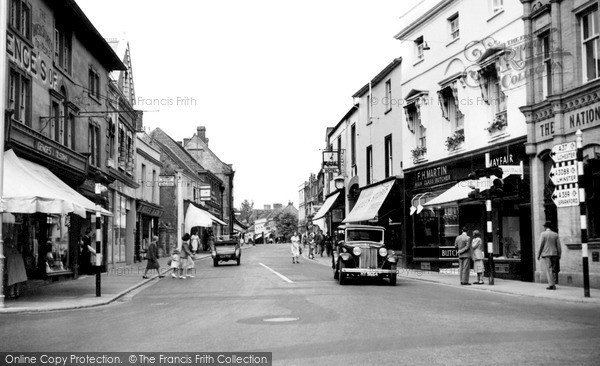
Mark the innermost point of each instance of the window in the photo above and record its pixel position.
(389, 169)
(369, 110)
(62, 47)
(413, 121)
(592, 194)
(369, 164)
(421, 136)
(94, 144)
(20, 18)
(69, 131)
(420, 46)
(490, 89)
(154, 186)
(497, 6)
(94, 83)
(111, 139)
(448, 98)
(353, 144)
(388, 94)
(547, 64)
(19, 97)
(454, 30)
(143, 182)
(590, 47)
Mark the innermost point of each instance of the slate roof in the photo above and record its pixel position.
(176, 151)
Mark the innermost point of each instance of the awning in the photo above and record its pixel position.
(369, 202)
(238, 228)
(31, 188)
(460, 191)
(217, 220)
(196, 217)
(326, 206)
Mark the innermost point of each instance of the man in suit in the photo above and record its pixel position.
(463, 247)
(550, 251)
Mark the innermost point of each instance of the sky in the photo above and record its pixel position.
(265, 77)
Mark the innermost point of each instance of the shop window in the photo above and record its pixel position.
(427, 228)
(20, 18)
(19, 97)
(57, 258)
(590, 48)
(592, 195)
(449, 225)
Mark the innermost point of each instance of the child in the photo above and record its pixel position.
(175, 263)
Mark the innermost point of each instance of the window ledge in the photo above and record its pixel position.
(418, 62)
(577, 246)
(456, 151)
(388, 111)
(495, 15)
(94, 98)
(498, 137)
(453, 41)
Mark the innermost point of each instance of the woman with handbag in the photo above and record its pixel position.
(152, 256)
(477, 246)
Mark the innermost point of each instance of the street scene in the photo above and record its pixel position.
(290, 183)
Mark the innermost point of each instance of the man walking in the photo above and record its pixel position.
(463, 247)
(550, 251)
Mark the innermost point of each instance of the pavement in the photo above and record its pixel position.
(80, 293)
(450, 277)
(44, 296)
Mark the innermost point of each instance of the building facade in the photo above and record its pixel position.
(462, 87)
(563, 96)
(197, 146)
(148, 194)
(58, 92)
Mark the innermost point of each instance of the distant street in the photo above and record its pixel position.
(305, 317)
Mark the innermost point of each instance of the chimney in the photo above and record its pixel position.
(185, 142)
(201, 132)
(267, 207)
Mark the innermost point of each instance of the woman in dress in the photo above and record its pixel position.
(152, 256)
(295, 248)
(477, 246)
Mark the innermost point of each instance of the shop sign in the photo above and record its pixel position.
(448, 252)
(205, 193)
(432, 176)
(166, 181)
(331, 161)
(567, 197)
(502, 268)
(30, 60)
(566, 174)
(583, 118)
(51, 151)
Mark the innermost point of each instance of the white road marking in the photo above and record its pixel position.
(277, 273)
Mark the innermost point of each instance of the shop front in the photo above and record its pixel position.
(332, 211)
(147, 227)
(443, 199)
(381, 204)
(579, 110)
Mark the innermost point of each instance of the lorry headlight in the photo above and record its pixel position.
(356, 251)
(383, 252)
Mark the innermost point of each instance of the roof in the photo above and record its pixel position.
(382, 74)
(87, 33)
(350, 112)
(197, 141)
(176, 151)
(420, 21)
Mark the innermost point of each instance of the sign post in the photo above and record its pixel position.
(583, 215)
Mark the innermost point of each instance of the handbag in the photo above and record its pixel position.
(300, 250)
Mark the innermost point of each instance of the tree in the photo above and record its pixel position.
(286, 224)
(246, 212)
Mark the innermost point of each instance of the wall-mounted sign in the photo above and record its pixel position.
(166, 181)
(432, 176)
(566, 197)
(51, 151)
(564, 173)
(331, 161)
(205, 193)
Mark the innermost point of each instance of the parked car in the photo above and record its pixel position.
(226, 248)
(363, 253)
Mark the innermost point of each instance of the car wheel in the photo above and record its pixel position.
(215, 262)
(342, 276)
(393, 279)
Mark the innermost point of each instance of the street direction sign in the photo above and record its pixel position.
(564, 174)
(566, 197)
(567, 146)
(563, 155)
